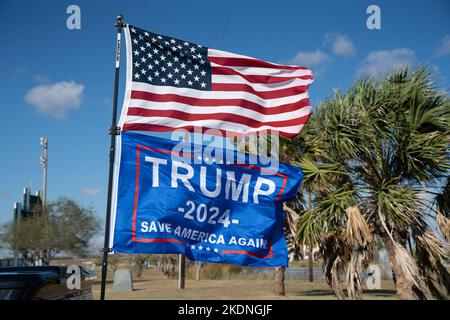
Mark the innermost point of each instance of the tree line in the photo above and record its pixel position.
(64, 226)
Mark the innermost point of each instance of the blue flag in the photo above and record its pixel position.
(173, 198)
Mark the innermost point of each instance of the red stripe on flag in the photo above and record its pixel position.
(270, 94)
(185, 116)
(255, 78)
(245, 62)
(149, 96)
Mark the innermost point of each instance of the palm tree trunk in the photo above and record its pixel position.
(404, 288)
(311, 264)
(279, 281)
(310, 253)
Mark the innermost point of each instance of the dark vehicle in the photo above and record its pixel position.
(43, 283)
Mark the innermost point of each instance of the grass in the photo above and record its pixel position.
(154, 286)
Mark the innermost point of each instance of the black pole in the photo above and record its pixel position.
(113, 131)
(181, 270)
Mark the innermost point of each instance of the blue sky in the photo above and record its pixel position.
(39, 56)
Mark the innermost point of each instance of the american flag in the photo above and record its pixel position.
(175, 84)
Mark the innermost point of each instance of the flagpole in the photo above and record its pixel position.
(113, 131)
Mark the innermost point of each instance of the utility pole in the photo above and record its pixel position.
(44, 157)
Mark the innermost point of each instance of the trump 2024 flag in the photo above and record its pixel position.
(166, 202)
(173, 84)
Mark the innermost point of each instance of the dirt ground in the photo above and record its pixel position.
(155, 286)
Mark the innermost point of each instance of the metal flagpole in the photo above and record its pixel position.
(113, 131)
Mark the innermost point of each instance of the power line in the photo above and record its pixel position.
(226, 23)
(216, 19)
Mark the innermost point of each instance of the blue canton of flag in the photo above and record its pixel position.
(161, 60)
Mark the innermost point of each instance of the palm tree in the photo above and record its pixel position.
(385, 145)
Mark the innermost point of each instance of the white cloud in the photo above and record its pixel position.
(340, 44)
(93, 192)
(56, 99)
(310, 58)
(379, 62)
(444, 48)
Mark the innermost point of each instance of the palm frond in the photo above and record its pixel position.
(320, 177)
(336, 280)
(357, 231)
(444, 226)
(310, 229)
(292, 219)
(431, 253)
(409, 267)
(355, 269)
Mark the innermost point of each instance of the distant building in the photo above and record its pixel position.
(29, 206)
